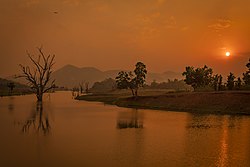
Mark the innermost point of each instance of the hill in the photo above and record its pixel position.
(70, 76)
(18, 89)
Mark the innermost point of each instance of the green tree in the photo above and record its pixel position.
(230, 81)
(199, 77)
(246, 75)
(11, 86)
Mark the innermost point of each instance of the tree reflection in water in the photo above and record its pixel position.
(38, 121)
(132, 119)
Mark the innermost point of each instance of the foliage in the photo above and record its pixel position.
(104, 86)
(199, 77)
(11, 86)
(39, 76)
(216, 82)
(230, 81)
(246, 75)
(128, 80)
(140, 74)
(178, 85)
(220, 86)
(238, 83)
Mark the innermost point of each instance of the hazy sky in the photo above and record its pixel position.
(115, 34)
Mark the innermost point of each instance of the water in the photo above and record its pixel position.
(66, 132)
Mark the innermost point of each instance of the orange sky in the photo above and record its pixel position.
(115, 34)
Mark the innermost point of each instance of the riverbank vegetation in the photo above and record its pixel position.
(9, 88)
(224, 102)
(201, 91)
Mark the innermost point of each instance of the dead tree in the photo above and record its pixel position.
(81, 87)
(87, 87)
(39, 76)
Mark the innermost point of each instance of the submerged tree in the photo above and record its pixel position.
(39, 75)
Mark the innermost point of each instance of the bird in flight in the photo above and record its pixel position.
(55, 12)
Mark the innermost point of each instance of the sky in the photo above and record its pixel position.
(115, 34)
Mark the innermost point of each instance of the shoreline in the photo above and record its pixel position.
(222, 103)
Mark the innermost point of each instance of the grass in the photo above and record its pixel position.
(234, 102)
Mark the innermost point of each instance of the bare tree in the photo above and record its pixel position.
(81, 87)
(87, 87)
(39, 76)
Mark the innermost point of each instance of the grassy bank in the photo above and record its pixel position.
(197, 102)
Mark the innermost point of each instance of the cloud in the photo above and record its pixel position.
(170, 23)
(221, 24)
(72, 2)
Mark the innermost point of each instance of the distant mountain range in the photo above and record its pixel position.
(70, 76)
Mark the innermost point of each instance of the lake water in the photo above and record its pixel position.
(65, 132)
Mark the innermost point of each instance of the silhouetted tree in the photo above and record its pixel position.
(128, 80)
(220, 86)
(81, 86)
(238, 83)
(230, 81)
(11, 86)
(199, 77)
(246, 75)
(215, 82)
(178, 85)
(124, 81)
(39, 76)
(86, 87)
(104, 86)
(140, 76)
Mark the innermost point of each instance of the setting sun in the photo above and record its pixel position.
(228, 54)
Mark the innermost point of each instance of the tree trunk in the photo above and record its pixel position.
(136, 94)
(133, 92)
(39, 97)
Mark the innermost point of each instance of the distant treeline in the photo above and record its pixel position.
(110, 85)
(196, 79)
(8, 87)
(203, 79)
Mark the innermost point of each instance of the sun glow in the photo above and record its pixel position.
(228, 54)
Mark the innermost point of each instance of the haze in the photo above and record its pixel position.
(111, 34)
